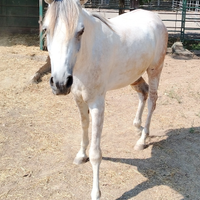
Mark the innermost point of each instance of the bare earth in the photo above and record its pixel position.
(40, 135)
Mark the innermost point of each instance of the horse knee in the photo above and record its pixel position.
(95, 156)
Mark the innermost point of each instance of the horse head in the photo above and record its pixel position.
(64, 32)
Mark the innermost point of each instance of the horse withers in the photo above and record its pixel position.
(91, 55)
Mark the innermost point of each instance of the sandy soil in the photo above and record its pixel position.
(40, 135)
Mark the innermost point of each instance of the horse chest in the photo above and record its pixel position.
(88, 88)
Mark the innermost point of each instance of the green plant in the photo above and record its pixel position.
(191, 130)
(192, 45)
(173, 95)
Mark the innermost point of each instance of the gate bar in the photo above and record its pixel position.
(40, 22)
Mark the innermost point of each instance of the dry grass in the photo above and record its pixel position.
(40, 136)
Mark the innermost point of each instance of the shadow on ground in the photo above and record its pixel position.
(175, 162)
(8, 40)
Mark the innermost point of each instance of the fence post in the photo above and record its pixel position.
(121, 6)
(40, 22)
(184, 8)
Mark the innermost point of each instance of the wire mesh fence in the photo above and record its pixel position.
(181, 17)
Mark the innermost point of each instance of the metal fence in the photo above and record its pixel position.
(190, 23)
(181, 17)
(19, 16)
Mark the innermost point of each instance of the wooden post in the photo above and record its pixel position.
(121, 6)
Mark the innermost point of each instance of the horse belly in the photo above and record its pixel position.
(130, 73)
(130, 61)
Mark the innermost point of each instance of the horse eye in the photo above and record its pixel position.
(79, 33)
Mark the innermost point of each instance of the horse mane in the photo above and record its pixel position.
(66, 10)
(104, 20)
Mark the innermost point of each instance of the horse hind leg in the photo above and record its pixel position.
(154, 77)
(142, 88)
(44, 69)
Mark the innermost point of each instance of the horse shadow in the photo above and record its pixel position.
(174, 162)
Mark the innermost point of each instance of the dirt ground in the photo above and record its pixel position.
(40, 135)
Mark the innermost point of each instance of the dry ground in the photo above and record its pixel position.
(40, 135)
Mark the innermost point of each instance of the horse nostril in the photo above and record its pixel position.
(69, 81)
(51, 81)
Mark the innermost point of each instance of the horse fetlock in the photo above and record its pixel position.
(80, 158)
(96, 194)
(145, 133)
(137, 123)
(138, 127)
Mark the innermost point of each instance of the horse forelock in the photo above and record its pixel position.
(66, 10)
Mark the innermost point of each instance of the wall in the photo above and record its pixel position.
(19, 16)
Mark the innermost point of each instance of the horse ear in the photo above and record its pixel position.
(49, 1)
(82, 2)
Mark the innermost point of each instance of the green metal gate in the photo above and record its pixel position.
(19, 16)
(181, 17)
(190, 24)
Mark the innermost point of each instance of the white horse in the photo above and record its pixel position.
(91, 55)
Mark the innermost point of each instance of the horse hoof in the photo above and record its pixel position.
(34, 79)
(80, 160)
(139, 147)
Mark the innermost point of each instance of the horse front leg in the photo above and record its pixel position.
(97, 114)
(81, 156)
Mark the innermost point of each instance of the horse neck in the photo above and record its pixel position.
(89, 21)
(89, 36)
(95, 41)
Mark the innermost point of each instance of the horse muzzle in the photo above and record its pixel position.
(62, 88)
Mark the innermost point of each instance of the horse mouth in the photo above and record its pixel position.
(65, 91)
(61, 88)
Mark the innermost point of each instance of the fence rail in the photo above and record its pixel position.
(181, 17)
(19, 16)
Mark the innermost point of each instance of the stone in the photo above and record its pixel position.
(179, 52)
